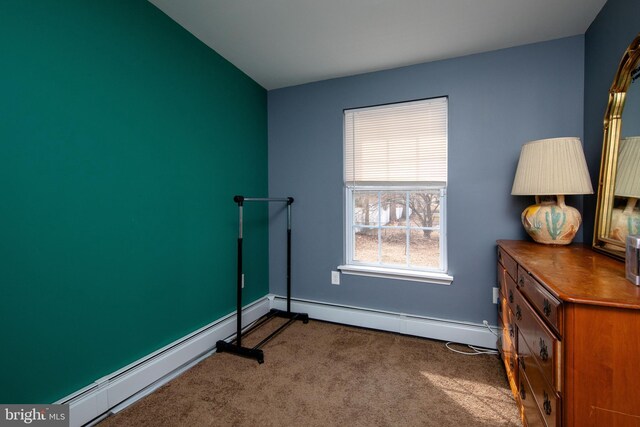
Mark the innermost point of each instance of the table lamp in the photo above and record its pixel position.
(552, 167)
(627, 221)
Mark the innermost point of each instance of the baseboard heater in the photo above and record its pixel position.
(110, 391)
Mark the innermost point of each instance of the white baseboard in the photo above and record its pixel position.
(155, 369)
(439, 329)
(123, 387)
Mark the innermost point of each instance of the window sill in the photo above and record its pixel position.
(396, 273)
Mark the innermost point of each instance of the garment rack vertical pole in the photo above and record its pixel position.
(235, 346)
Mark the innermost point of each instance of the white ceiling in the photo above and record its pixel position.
(282, 43)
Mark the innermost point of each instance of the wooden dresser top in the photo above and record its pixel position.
(576, 273)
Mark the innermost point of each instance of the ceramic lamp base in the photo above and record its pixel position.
(551, 222)
(625, 221)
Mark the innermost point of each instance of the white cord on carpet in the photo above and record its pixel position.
(475, 351)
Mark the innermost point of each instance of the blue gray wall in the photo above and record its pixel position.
(497, 101)
(605, 42)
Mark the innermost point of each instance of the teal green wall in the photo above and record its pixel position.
(122, 142)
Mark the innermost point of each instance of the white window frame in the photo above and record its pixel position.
(378, 269)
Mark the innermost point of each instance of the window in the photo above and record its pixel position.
(395, 176)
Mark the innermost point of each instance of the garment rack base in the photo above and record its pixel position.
(255, 352)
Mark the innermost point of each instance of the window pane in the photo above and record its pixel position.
(365, 207)
(394, 246)
(393, 208)
(380, 235)
(425, 208)
(425, 248)
(365, 245)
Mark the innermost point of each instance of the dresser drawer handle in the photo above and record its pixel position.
(500, 256)
(547, 307)
(518, 312)
(521, 281)
(544, 354)
(510, 296)
(511, 334)
(524, 366)
(547, 404)
(523, 394)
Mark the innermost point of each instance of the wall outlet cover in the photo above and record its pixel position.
(335, 277)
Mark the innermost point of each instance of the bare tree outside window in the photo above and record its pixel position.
(397, 227)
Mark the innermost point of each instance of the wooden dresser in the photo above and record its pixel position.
(570, 339)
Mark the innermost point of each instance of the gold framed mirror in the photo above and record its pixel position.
(617, 210)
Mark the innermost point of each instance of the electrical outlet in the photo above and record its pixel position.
(335, 277)
(495, 295)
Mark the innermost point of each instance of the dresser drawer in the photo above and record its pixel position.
(502, 280)
(545, 395)
(505, 316)
(509, 291)
(530, 408)
(544, 303)
(508, 355)
(510, 265)
(543, 345)
(507, 343)
(510, 360)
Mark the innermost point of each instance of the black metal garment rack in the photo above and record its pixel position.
(235, 346)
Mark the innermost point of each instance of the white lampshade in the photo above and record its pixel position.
(628, 173)
(553, 166)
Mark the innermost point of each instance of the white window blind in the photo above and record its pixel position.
(401, 143)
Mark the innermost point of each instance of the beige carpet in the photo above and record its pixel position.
(323, 374)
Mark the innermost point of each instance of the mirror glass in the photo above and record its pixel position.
(625, 215)
(618, 211)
